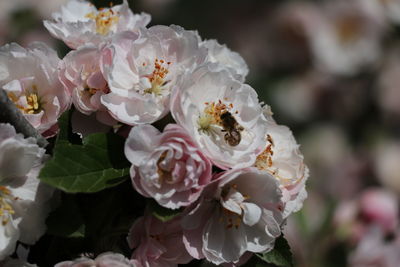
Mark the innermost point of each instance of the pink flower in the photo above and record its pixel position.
(80, 22)
(374, 207)
(81, 75)
(239, 213)
(156, 243)
(29, 76)
(373, 250)
(380, 207)
(141, 71)
(167, 166)
(107, 259)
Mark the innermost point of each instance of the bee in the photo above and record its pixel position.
(232, 129)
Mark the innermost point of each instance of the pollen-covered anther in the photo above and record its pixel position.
(104, 20)
(158, 77)
(32, 103)
(5, 207)
(212, 115)
(163, 175)
(231, 219)
(264, 160)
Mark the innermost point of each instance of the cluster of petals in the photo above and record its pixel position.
(241, 212)
(80, 22)
(141, 70)
(167, 166)
(29, 77)
(122, 72)
(81, 75)
(157, 243)
(374, 207)
(282, 159)
(346, 38)
(375, 250)
(24, 201)
(222, 115)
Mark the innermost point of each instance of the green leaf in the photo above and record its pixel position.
(97, 164)
(161, 213)
(280, 255)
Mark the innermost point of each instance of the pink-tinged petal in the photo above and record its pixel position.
(75, 23)
(167, 166)
(32, 83)
(158, 243)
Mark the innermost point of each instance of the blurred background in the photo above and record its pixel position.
(330, 70)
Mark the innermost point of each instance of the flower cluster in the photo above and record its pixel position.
(235, 173)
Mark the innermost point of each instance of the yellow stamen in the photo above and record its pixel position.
(33, 105)
(157, 77)
(104, 20)
(5, 207)
(211, 116)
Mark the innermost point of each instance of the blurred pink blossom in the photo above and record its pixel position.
(157, 243)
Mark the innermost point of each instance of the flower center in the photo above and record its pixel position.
(264, 160)
(90, 91)
(5, 208)
(348, 29)
(163, 175)
(32, 106)
(220, 115)
(232, 218)
(104, 20)
(157, 77)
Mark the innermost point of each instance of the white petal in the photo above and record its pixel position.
(252, 213)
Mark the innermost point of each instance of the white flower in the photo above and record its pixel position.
(345, 39)
(283, 159)
(222, 115)
(243, 214)
(29, 77)
(142, 71)
(80, 22)
(226, 58)
(23, 200)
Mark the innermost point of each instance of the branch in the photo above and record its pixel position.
(11, 114)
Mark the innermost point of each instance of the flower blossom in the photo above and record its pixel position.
(141, 71)
(23, 199)
(157, 243)
(374, 250)
(80, 22)
(222, 115)
(29, 77)
(81, 75)
(243, 213)
(283, 160)
(107, 259)
(345, 38)
(374, 207)
(167, 166)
